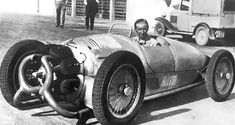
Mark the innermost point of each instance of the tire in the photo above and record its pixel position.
(160, 29)
(9, 67)
(202, 35)
(220, 75)
(107, 109)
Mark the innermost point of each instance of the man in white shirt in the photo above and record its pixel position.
(141, 27)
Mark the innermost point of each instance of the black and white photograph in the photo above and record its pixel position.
(117, 62)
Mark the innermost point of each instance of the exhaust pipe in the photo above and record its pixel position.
(44, 91)
(24, 86)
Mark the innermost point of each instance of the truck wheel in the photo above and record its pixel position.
(9, 67)
(160, 29)
(202, 36)
(119, 89)
(220, 75)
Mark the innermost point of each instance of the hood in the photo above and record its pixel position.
(99, 46)
(105, 44)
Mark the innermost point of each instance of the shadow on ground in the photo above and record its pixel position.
(46, 113)
(188, 96)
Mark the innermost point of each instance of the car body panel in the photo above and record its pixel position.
(186, 56)
(206, 7)
(103, 45)
(166, 67)
(160, 59)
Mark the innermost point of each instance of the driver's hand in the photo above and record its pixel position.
(156, 43)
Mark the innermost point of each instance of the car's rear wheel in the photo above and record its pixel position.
(220, 75)
(10, 65)
(202, 35)
(119, 89)
(160, 29)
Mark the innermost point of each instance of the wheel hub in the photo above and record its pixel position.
(225, 75)
(221, 75)
(125, 90)
(228, 76)
(159, 30)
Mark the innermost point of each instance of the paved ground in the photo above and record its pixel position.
(192, 107)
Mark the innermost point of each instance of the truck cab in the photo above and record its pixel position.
(203, 19)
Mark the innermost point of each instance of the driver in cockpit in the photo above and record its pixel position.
(141, 27)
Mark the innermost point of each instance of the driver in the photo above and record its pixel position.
(141, 27)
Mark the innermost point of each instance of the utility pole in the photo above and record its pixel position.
(112, 10)
(38, 6)
(73, 8)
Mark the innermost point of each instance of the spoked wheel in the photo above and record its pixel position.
(118, 89)
(220, 75)
(160, 29)
(31, 71)
(202, 36)
(10, 67)
(123, 90)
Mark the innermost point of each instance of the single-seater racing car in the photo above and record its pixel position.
(108, 75)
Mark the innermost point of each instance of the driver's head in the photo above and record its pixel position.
(141, 28)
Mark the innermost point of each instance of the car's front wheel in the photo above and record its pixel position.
(220, 75)
(10, 67)
(119, 89)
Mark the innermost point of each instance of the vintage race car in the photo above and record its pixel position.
(108, 75)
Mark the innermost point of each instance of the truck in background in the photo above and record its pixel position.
(203, 20)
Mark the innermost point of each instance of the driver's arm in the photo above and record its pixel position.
(155, 43)
(159, 42)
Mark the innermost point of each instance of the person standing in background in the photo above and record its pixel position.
(60, 12)
(91, 10)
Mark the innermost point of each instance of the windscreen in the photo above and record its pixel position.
(229, 5)
(121, 29)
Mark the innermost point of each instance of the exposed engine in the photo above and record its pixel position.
(52, 74)
(67, 88)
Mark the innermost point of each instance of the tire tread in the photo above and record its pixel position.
(5, 85)
(210, 78)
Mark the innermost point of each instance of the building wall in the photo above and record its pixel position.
(148, 9)
(47, 7)
(44, 7)
(104, 9)
(21, 6)
(132, 9)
